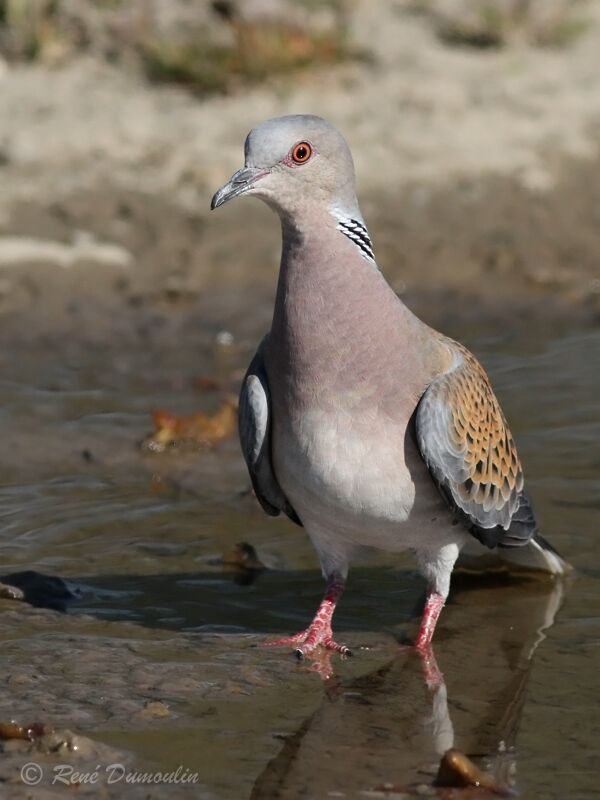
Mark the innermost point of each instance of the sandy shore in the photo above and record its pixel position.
(478, 173)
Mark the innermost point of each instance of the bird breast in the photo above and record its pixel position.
(355, 477)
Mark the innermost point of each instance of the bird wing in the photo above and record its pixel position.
(255, 418)
(468, 448)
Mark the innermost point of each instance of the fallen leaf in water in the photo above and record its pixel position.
(196, 430)
(457, 770)
(10, 730)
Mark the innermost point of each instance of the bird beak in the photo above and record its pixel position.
(239, 183)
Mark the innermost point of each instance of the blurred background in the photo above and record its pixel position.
(474, 128)
(137, 572)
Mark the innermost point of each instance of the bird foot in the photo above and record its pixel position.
(306, 642)
(319, 631)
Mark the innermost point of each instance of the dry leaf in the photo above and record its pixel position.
(196, 430)
(10, 730)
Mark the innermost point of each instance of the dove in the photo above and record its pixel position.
(357, 420)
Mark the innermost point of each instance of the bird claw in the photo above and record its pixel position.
(328, 644)
(306, 642)
(319, 632)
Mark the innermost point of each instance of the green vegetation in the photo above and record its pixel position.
(28, 28)
(258, 51)
(207, 47)
(215, 46)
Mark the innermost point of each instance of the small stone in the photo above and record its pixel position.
(11, 592)
(225, 338)
(154, 709)
(457, 770)
(423, 790)
(17, 679)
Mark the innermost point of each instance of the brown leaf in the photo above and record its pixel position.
(10, 730)
(196, 430)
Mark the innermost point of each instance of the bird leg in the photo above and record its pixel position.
(319, 631)
(433, 608)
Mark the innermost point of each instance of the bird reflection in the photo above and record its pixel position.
(390, 727)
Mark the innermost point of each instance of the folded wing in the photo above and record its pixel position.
(464, 440)
(255, 437)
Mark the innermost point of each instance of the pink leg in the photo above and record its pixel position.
(319, 631)
(433, 607)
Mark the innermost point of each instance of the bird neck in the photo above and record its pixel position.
(324, 251)
(330, 234)
(351, 224)
(331, 298)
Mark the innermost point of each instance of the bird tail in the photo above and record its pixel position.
(537, 554)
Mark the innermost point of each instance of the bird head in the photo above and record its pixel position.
(292, 161)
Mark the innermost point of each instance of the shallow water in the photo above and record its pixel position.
(140, 537)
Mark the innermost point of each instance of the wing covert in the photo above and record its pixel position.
(466, 443)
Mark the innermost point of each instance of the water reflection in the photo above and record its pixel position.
(392, 725)
(393, 722)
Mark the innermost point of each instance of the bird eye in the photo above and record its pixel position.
(301, 153)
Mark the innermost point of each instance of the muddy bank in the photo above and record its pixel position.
(112, 262)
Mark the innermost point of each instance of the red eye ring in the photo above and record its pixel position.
(301, 152)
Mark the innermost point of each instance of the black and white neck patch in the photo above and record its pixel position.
(357, 233)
